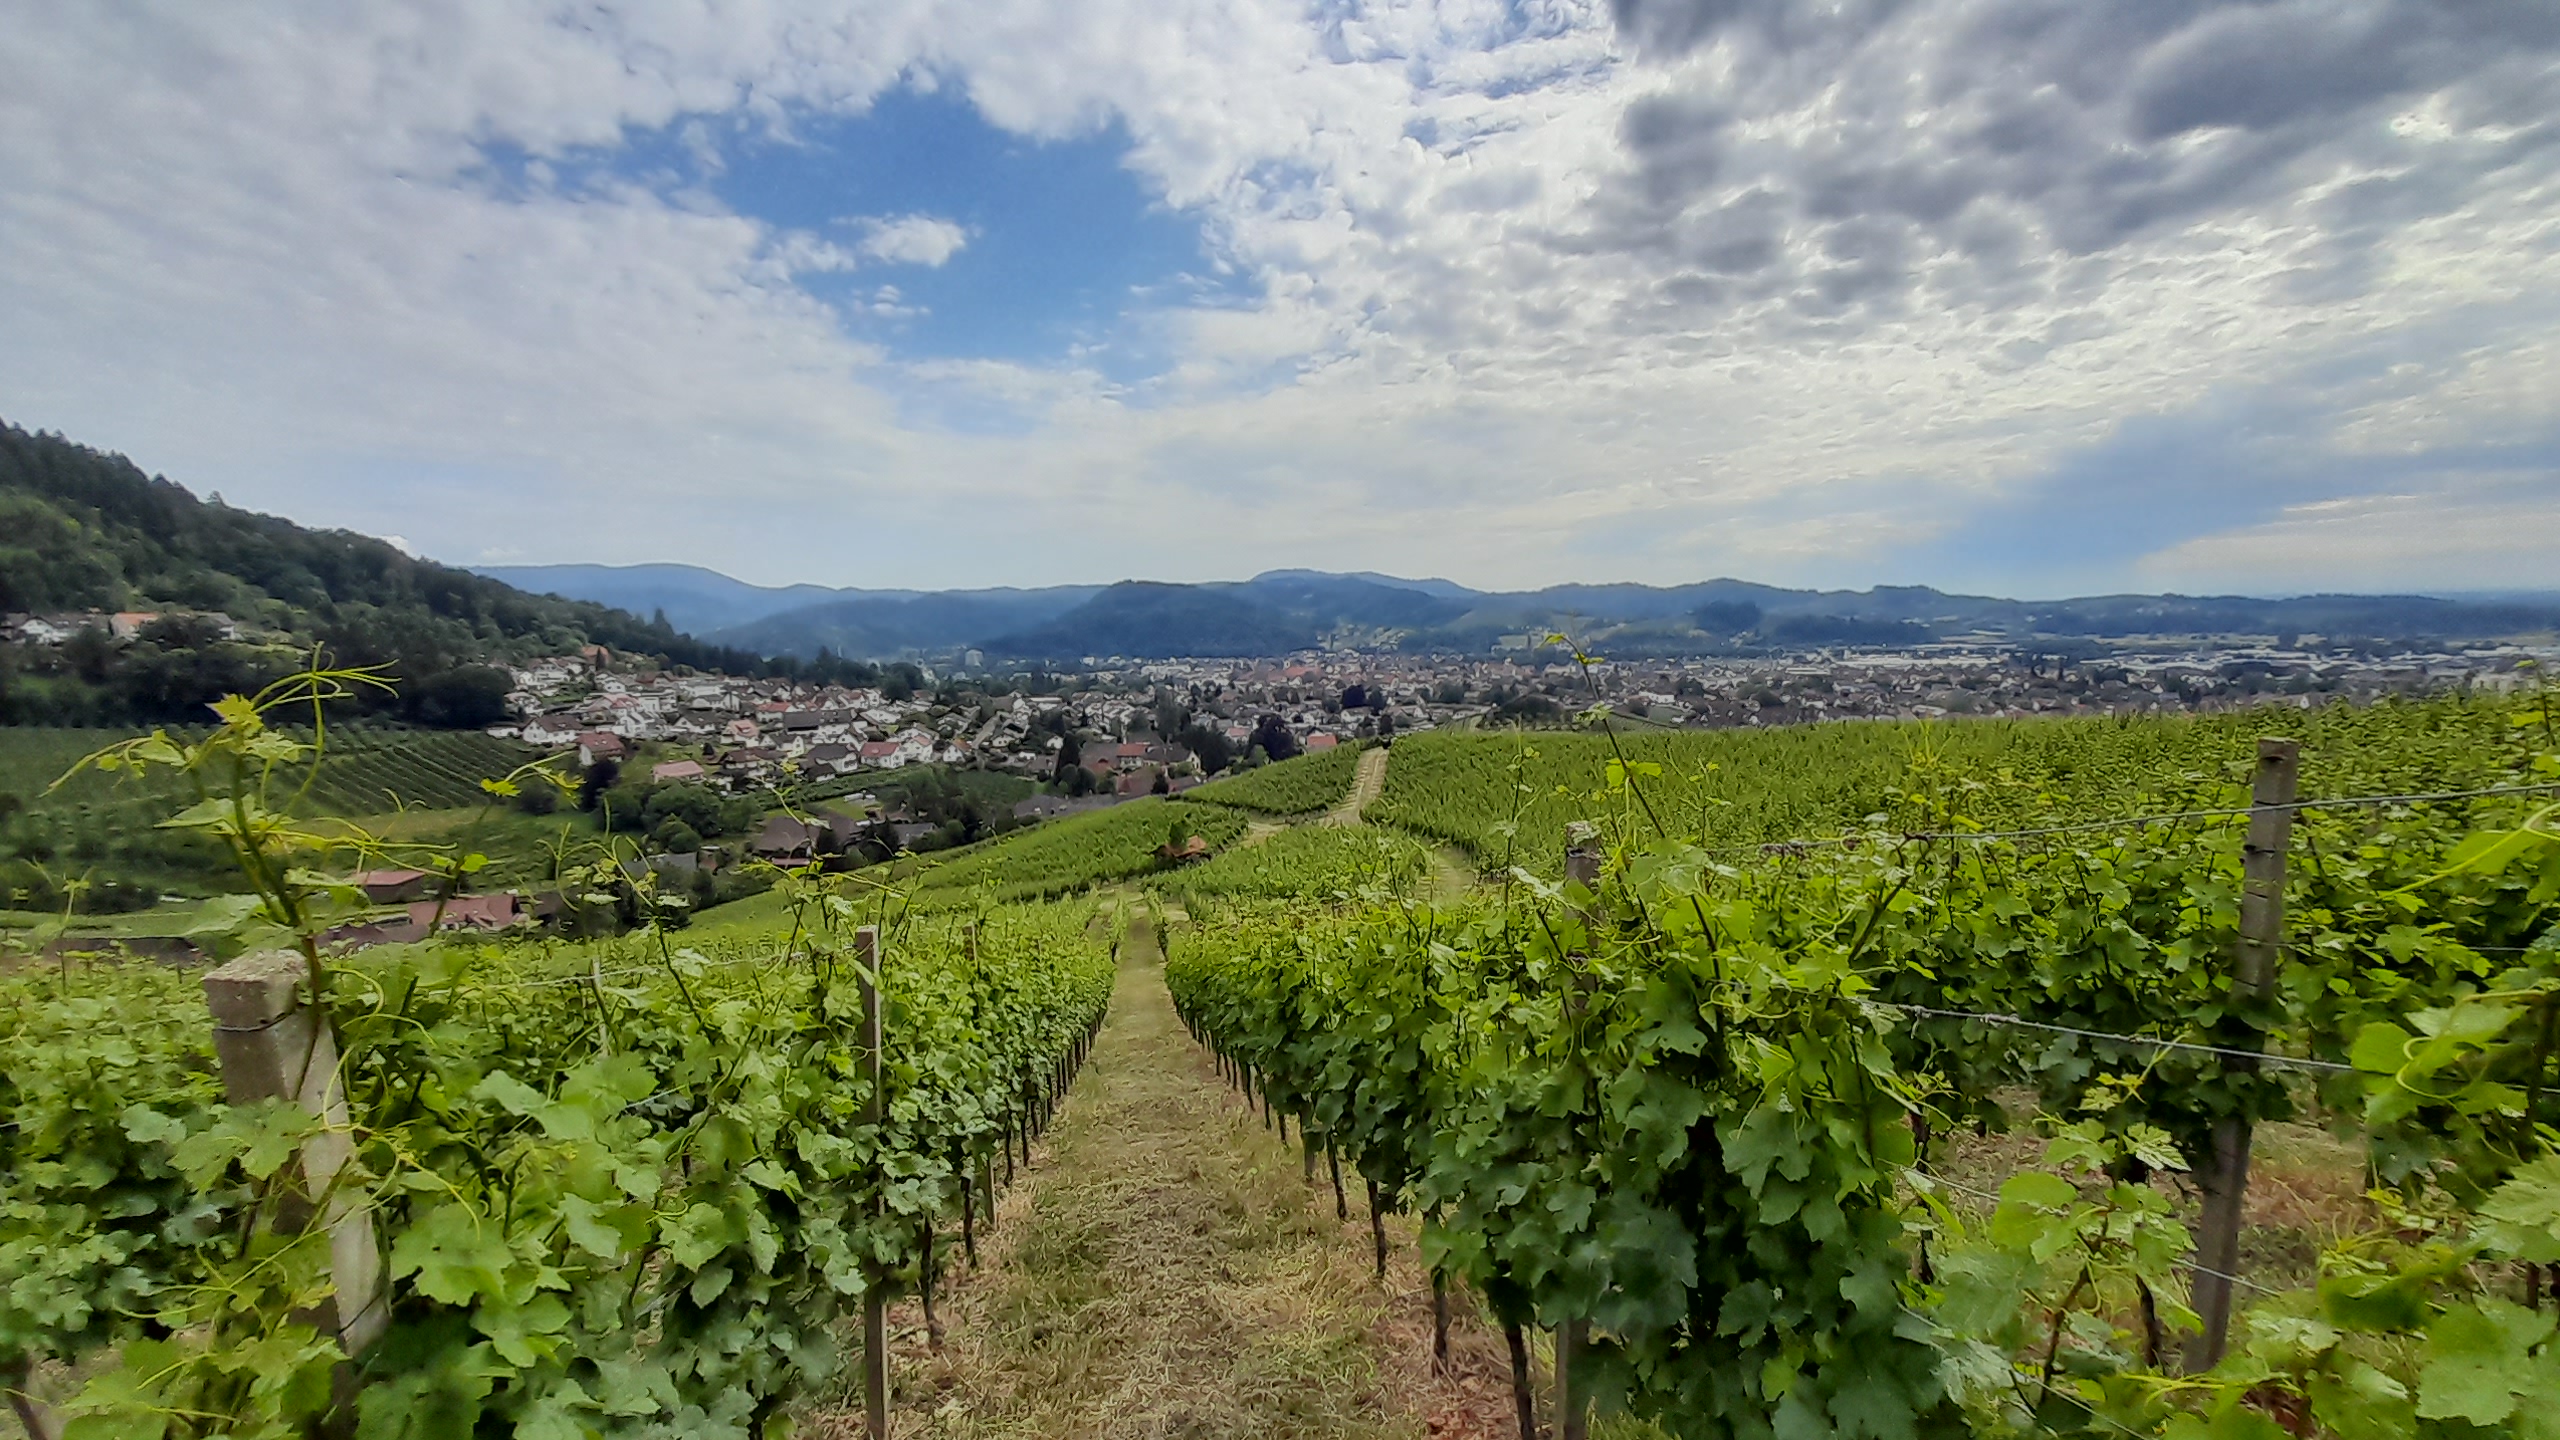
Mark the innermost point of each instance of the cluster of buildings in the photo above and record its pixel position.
(744, 731)
(1992, 678)
(120, 626)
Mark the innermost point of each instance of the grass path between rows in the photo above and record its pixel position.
(1164, 1271)
(1368, 782)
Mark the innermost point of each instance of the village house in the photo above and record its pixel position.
(393, 887)
(549, 733)
(595, 746)
(749, 766)
(489, 913)
(674, 771)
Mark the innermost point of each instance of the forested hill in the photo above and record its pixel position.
(84, 531)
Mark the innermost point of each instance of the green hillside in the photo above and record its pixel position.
(83, 531)
(103, 828)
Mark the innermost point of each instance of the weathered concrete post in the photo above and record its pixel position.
(273, 1044)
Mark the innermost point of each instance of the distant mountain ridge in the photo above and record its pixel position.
(1281, 610)
(694, 599)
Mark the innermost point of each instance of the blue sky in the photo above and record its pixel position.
(1060, 241)
(2031, 296)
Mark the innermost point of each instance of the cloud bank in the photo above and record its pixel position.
(2038, 295)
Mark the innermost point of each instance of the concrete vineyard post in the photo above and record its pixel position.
(875, 1112)
(2224, 1176)
(273, 1044)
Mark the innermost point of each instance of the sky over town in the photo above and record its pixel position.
(2024, 296)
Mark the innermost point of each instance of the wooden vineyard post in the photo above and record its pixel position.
(1378, 1229)
(2224, 1176)
(1439, 1321)
(273, 1044)
(1581, 867)
(1524, 1403)
(875, 1111)
(961, 1171)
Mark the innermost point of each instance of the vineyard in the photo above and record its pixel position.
(92, 824)
(1871, 1081)
(1070, 855)
(1686, 1110)
(1301, 785)
(1307, 863)
(632, 1195)
(366, 771)
(1485, 792)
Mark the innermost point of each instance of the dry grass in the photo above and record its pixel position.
(1164, 1272)
(2306, 1190)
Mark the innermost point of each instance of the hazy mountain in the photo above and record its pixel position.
(1322, 601)
(1144, 617)
(887, 625)
(1282, 609)
(696, 600)
(1445, 589)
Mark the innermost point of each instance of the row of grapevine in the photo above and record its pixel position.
(1686, 1117)
(624, 1197)
(367, 770)
(1300, 785)
(1071, 855)
(1494, 793)
(1305, 863)
(433, 770)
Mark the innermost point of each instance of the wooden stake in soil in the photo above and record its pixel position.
(2224, 1177)
(1439, 1322)
(1378, 1229)
(932, 1321)
(33, 1414)
(1581, 867)
(968, 1203)
(1333, 1166)
(1573, 1409)
(1523, 1403)
(875, 1110)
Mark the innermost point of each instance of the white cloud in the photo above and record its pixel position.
(2475, 533)
(1768, 301)
(909, 239)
